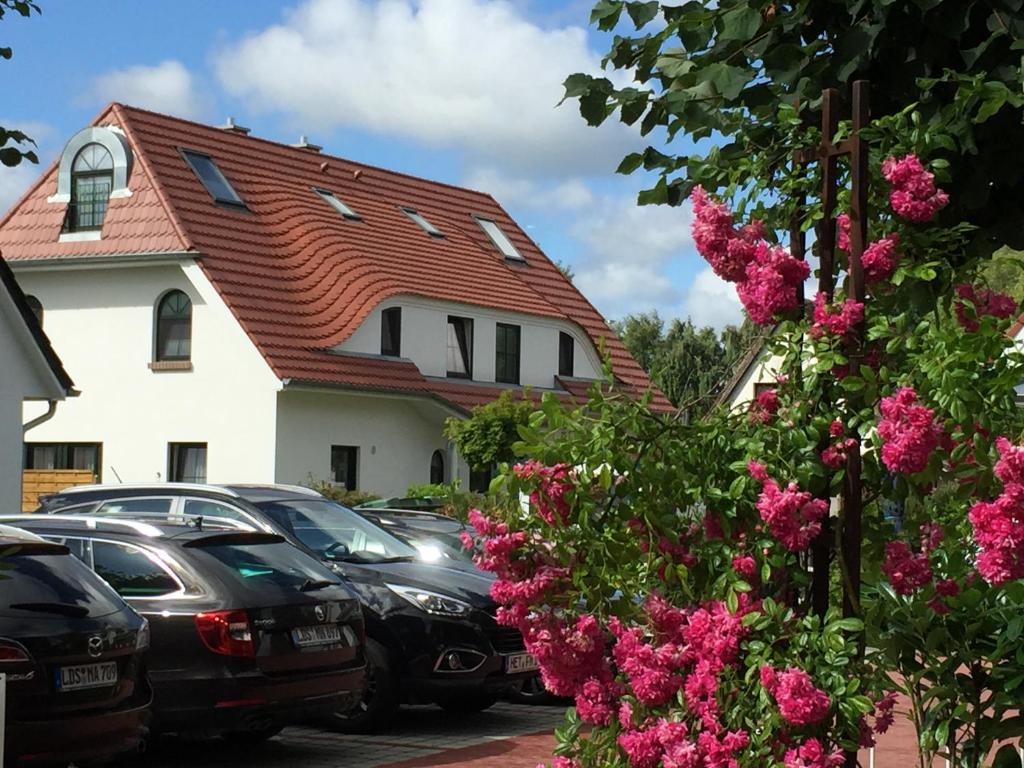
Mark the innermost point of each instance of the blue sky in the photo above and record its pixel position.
(463, 91)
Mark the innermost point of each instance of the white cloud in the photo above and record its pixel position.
(475, 75)
(712, 301)
(167, 87)
(629, 250)
(520, 192)
(14, 181)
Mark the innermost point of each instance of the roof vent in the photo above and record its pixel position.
(231, 126)
(304, 144)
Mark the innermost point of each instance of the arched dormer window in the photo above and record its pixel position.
(174, 327)
(437, 468)
(94, 169)
(37, 308)
(92, 180)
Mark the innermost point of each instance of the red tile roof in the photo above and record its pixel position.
(299, 277)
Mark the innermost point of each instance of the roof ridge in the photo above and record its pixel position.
(300, 152)
(179, 228)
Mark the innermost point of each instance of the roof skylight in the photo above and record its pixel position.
(216, 183)
(429, 228)
(499, 238)
(336, 203)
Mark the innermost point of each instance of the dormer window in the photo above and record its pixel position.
(92, 179)
(210, 175)
(429, 228)
(499, 238)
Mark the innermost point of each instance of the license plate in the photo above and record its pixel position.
(322, 634)
(520, 662)
(87, 676)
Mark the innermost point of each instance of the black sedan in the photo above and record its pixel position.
(73, 653)
(431, 630)
(249, 633)
(435, 536)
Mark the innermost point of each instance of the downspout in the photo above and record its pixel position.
(51, 411)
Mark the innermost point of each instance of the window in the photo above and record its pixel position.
(186, 462)
(480, 480)
(460, 347)
(92, 179)
(63, 456)
(337, 204)
(343, 465)
(437, 468)
(148, 507)
(210, 508)
(506, 355)
(499, 238)
(174, 327)
(37, 308)
(391, 332)
(271, 564)
(216, 184)
(131, 571)
(429, 228)
(566, 354)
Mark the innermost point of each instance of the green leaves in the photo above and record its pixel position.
(740, 23)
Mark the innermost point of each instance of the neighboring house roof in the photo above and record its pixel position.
(32, 324)
(298, 276)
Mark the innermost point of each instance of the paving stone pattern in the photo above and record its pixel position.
(424, 736)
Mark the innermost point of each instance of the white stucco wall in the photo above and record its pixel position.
(395, 436)
(24, 375)
(425, 340)
(100, 321)
(764, 371)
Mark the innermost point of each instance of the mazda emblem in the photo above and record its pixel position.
(95, 646)
(321, 613)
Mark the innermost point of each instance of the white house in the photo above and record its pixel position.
(237, 309)
(29, 371)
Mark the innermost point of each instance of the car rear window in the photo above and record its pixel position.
(279, 564)
(52, 584)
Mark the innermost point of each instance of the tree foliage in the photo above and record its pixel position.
(687, 363)
(752, 71)
(18, 151)
(487, 436)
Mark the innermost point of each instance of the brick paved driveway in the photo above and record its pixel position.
(509, 735)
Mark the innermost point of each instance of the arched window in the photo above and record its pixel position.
(92, 179)
(37, 308)
(437, 468)
(174, 327)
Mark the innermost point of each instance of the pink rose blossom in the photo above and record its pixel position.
(839, 320)
(908, 431)
(982, 303)
(811, 754)
(880, 258)
(764, 406)
(843, 232)
(800, 702)
(793, 516)
(725, 248)
(745, 566)
(999, 525)
(914, 195)
(549, 499)
(906, 571)
(771, 283)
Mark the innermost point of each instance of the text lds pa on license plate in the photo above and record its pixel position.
(87, 676)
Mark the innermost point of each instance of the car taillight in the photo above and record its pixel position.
(226, 632)
(12, 654)
(142, 638)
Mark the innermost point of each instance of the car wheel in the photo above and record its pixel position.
(379, 702)
(257, 736)
(469, 703)
(531, 691)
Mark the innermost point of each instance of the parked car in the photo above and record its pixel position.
(73, 653)
(248, 633)
(433, 535)
(431, 629)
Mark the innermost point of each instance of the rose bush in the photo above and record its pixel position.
(659, 570)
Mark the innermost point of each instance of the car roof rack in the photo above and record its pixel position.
(271, 487)
(172, 518)
(138, 522)
(152, 487)
(88, 521)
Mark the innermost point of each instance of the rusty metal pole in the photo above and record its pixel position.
(852, 491)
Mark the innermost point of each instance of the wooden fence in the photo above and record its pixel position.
(37, 482)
